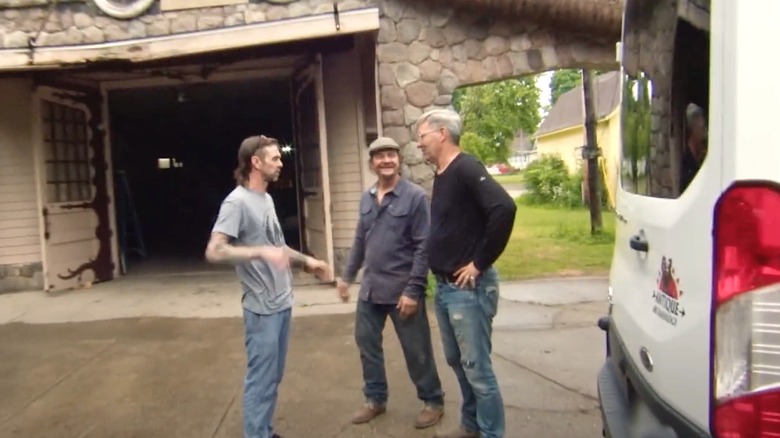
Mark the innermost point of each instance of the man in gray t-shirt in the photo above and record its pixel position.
(247, 234)
(249, 218)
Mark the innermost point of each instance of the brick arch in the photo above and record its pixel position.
(425, 54)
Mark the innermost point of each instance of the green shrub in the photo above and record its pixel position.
(549, 182)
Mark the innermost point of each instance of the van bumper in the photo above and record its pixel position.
(629, 405)
(614, 407)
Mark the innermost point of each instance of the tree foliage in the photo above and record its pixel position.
(493, 112)
(562, 81)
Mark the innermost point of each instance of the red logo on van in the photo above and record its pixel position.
(666, 281)
(667, 294)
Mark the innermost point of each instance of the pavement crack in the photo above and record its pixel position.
(86, 432)
(342, 431)
(551, 380)
(58, 382)
(555, 305)
(17, 317)
(543, 327)
(225, 413)
(551, 411)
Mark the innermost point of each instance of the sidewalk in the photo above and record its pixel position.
(217, 295)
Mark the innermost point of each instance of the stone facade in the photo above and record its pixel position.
(82, 23)
(425, 54)
(21, 277)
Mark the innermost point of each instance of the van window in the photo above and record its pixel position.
(665, 96)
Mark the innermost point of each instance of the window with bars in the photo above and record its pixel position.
(68, 172)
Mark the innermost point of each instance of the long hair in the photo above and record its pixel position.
(248, 149)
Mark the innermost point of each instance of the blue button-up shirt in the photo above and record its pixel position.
(390, 242)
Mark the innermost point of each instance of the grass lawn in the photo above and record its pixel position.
(549, 241)
(514, 178)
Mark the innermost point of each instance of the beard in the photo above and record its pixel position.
(271, 177)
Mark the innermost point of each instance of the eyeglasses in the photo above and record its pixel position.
(421, 136)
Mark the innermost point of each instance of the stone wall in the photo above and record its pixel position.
(83, 23)
(425, 54)
(24, 277)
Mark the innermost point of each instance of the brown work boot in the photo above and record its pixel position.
(460, 432)
(367, 412)
(429, 416)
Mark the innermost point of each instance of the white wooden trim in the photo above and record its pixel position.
(361, 118)
(147, 49)
(40, 177)
(380, 128)
(320, 92)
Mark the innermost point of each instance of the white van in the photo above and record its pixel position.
(693, 331)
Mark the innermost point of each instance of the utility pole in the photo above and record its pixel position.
(591, 152)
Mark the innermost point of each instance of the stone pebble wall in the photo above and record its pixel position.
(82, 23)
(22, 277)
(425, 54)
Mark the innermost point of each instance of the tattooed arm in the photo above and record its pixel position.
(219, 250)
(320, 268)
(297, 258)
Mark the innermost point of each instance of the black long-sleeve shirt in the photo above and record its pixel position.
(471, 217)
(390, 242)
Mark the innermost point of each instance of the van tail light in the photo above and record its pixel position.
(746, 313)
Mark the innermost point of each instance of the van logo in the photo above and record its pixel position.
(667, 294)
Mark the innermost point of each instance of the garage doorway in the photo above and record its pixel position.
(174, 149)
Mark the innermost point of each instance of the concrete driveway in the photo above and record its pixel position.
(124, 361)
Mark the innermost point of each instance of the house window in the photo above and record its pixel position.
(68, 172)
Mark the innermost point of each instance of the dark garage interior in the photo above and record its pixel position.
(175, 146)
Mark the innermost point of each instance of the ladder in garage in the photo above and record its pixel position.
(130, 237)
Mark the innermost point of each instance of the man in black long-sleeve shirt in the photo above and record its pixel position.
(471, 221)
(390, 242)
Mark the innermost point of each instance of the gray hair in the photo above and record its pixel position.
(693, 112)
(444, 118)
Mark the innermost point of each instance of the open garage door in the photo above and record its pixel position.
(309, 109)
(72, 164)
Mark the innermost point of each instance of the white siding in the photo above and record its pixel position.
(342, 84)
(19, 231)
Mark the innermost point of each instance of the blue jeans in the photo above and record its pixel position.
(267, 337)
(466, 323)
(414, 334)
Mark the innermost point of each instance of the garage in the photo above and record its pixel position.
(131, 162)
(174, 150)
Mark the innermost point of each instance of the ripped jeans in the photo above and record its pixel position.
(466, 323)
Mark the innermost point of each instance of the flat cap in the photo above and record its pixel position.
(383, 143)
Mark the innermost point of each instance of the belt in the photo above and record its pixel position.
(445, 278)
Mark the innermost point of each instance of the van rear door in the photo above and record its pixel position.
(662, 265)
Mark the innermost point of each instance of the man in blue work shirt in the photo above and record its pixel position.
(390, 243)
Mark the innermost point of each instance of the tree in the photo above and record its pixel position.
(492, 113)
(562, 81)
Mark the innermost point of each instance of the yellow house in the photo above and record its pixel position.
(562, 132)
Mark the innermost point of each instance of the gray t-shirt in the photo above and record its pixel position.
(249, 219)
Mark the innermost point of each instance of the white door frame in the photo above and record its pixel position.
(313, 73)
